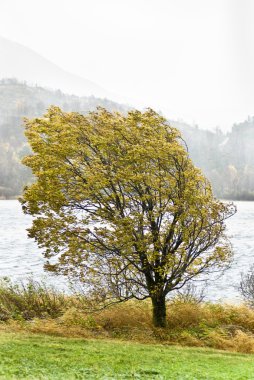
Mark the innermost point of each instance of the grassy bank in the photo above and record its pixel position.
(24, 356)
(36, 309)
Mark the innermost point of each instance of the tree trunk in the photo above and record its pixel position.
(159, 311)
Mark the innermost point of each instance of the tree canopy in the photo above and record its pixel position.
(119, 204)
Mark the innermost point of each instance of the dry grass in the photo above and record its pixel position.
(189, 323)
(224, 327)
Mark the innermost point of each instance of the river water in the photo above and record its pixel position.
(21, 258)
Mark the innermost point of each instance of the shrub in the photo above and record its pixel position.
(246, 286)
(27, 300)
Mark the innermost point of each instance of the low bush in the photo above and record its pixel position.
(246, 286)
(27, 300)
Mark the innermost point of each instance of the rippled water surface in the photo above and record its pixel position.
(20, 256)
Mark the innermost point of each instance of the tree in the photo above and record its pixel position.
(118, 203)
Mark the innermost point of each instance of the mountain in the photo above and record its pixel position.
(18, 61)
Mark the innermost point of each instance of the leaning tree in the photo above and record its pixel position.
(118, 203)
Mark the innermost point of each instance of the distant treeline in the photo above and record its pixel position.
(226, 159)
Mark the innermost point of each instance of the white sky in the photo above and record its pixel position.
(192, 59)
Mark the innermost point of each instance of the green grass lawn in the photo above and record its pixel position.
(42, 357)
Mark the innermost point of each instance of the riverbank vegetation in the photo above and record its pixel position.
(35, 308)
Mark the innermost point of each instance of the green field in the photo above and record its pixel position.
(25, 356)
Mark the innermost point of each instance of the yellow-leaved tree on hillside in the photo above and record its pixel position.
(118, 203)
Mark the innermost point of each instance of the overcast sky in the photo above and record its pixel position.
(192, 59)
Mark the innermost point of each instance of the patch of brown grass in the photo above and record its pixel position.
(189, 323)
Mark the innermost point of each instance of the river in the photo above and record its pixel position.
(21, 258)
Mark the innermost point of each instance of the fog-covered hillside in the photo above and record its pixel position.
(18, 61)
(18, 100)
(226, 159)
